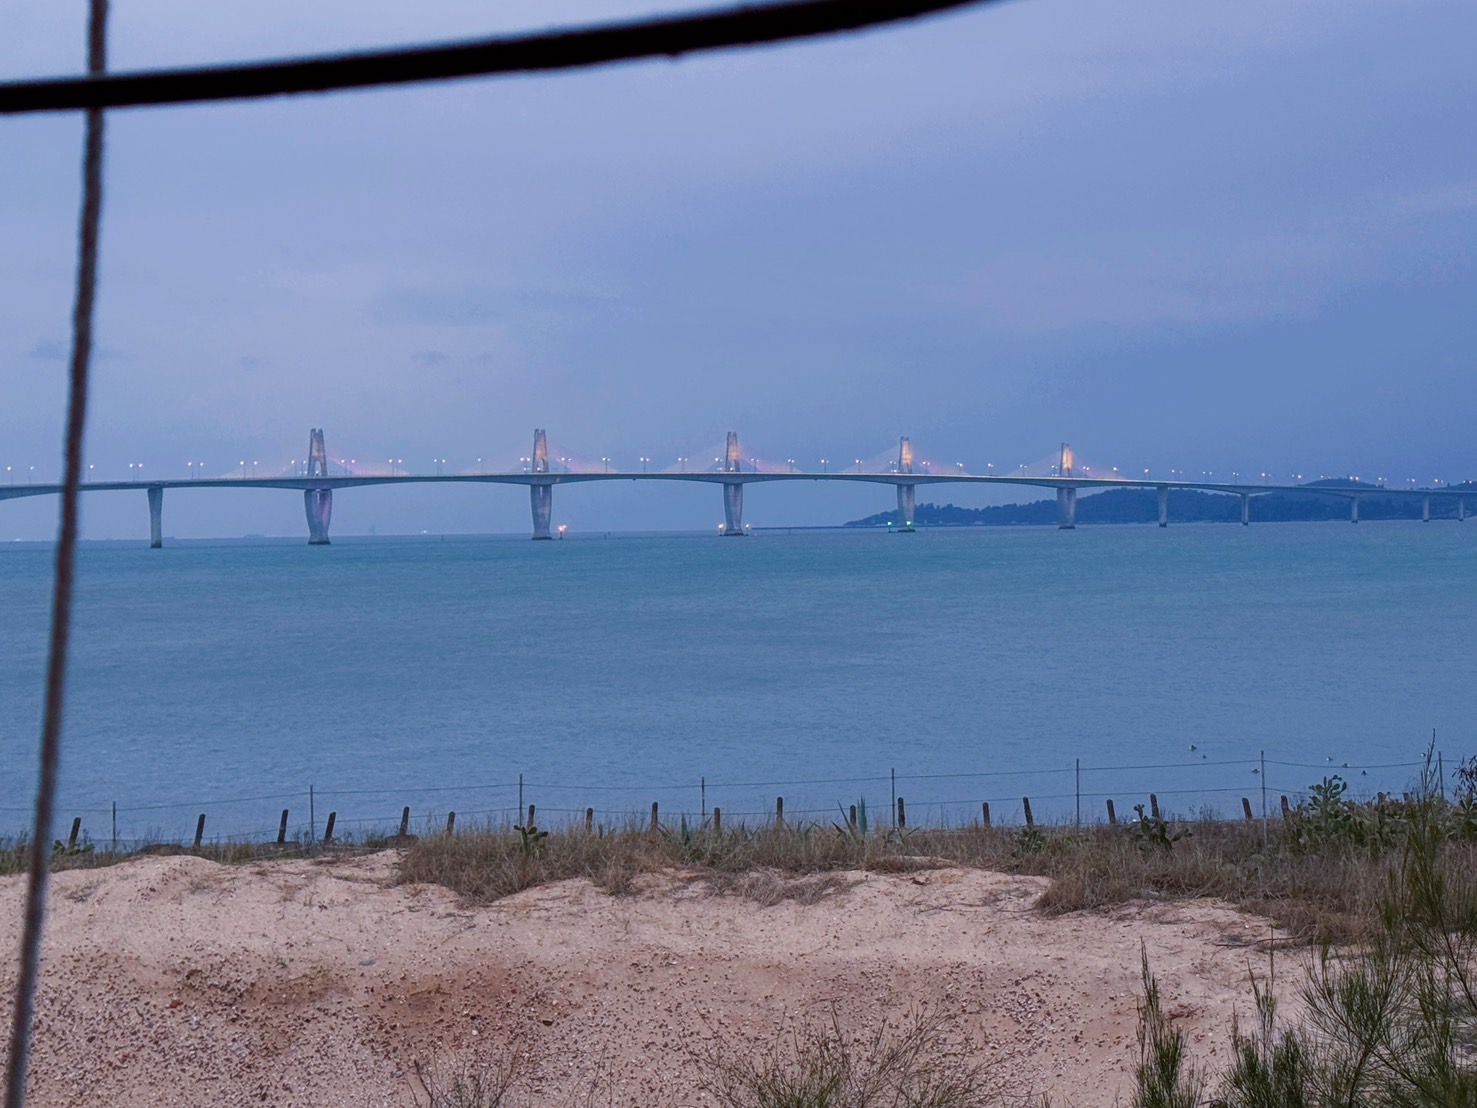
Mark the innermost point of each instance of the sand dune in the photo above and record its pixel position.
(178, 981)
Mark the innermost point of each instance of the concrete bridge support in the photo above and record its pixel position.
(1245, 509)
(1353, 509)
(156, 516)
(1425, 509)
(733, 491)
(1066, 509)
(907, 495)
(318, 503)
(541, 496)
(1461, 508)
(907, 508)
(1163, 492)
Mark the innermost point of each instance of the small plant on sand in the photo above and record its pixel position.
(472, 1084)
(825, 1066)
(1029, 840)
(1165, 1077)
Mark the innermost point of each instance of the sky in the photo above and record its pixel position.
(1203, 236)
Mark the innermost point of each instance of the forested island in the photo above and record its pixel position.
(1141, 505)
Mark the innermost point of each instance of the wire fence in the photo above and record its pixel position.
(1078, 792)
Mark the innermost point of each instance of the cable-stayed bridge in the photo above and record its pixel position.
(316, 480)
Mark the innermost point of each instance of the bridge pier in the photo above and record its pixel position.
(1066, 509)
(1461, 508)
(156, 516)
(1353, 509)
(907, 508)
(733, 491)
(907, 495)
(1245, 509)
(541, 496)
(318, 504)
(1163, 492)
(1426, 509)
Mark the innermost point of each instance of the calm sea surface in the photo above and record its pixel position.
(976, 665)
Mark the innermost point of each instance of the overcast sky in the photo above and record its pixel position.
(1183, 234)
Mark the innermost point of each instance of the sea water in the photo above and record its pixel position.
(952, 667)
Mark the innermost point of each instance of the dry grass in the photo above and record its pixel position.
(1324, 896)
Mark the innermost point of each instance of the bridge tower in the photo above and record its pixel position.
(907, 495)
(733, 491)
(318, 503)
(541, 494)
(1066, 498)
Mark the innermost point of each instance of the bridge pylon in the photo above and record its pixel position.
(540, 495)
(1066, 498)
(733, 491)
(907, 495)
(317, 503)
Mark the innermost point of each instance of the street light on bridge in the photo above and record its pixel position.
(681, 465)
(606, 463)
(644, 460)
(823, 465)
(791, 463)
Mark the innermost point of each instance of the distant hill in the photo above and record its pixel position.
(1141, 505)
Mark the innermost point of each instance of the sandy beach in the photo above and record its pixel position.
(179, 981)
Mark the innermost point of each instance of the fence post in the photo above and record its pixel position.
(1112, 815)
(902, 815)
(450, 822)
(1246, 808)
(1286, 809)
(328, 830)
(199, 830)
(76, 827)
(1026, 804)
(655, 826)
(985, 811)
(312, 823)
(282, 829)
(530, 824)
(589, 820)
(851, 818)
(717, 820)
(1077, 775)
(892, 773)
(115, 827)
(1154, 805)
(779, 812)
(702, 785)
(405, 821)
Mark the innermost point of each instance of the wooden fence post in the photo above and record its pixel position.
(530, 824)
(1286, 809)
(1154, 805)
(76, 827)
(985, 811)
(655, 826)
(1112, 815)
(851, 818)
(282, 829)
(1246, 807)
(450, 822)
(1026, 804)
(589, 820)
(199, 830)
(717, 820)
(779, 811)
(328, 830)
(902, 815)
(405, 821)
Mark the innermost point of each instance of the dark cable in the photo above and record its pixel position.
(668, 36)
(66, 558)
